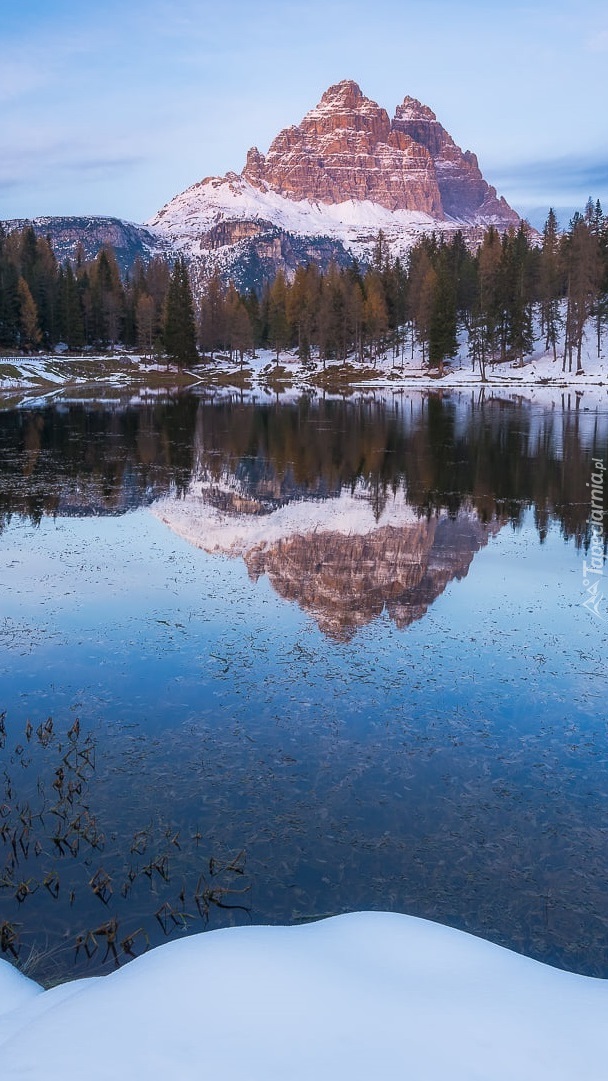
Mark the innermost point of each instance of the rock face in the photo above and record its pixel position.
(464, 192)
(92, 233)
(347, 148)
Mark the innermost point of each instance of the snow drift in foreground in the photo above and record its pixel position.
(358, 997)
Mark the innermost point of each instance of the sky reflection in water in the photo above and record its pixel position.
(450, 763)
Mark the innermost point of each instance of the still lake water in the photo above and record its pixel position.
(271, 662)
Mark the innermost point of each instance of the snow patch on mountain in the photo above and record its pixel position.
(188, 219)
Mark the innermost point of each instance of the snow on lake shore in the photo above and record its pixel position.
(360, 997)
(539, 379)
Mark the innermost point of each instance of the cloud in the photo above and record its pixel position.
(67, 159)
(566, 176)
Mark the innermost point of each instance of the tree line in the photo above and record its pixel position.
(84, 302)
(444, 455)
(494, 303)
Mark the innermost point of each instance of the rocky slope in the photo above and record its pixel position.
(465, 195)
(127, 239)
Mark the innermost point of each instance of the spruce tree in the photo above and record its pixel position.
(517, 335)
(28, 317)
(179, 328)
(71, 323)
(550, 283)
(443, 324)
(9, 298)
(278, 324)
(582, 255)
(212, 322)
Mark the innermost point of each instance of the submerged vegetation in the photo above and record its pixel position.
(56, 857)
(451, 770)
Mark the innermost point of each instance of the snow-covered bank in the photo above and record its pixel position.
(45, 377)
(539, 379)
(352, 998)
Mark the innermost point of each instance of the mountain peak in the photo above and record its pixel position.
(344, 149)
(347, 148)
(465, 194)
(412, 109)
(346, 91)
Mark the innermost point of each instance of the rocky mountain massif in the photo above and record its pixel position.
(345, 172)
(347, 149)
(322, 191)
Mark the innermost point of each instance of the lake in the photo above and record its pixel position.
(269, 661)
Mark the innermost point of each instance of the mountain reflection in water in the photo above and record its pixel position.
(490, 456)
(334, 557)
(355, 671)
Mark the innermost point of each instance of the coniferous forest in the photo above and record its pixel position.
(515, 293)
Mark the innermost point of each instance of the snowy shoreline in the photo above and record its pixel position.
(354, 997)
(539, 379)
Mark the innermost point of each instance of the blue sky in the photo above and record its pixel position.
(114, 107)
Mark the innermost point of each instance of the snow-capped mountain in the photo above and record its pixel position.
(323, 191)
(327, 186)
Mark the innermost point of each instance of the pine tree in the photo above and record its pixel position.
(212, 321)
(516, 331)
(252, 304)
(179, 328)
(375, 315)
(550, 285)
(422, 281)
(104, 299)
(278, 324)
(443, 342)
(301, 307)
(146, 325)
(489, 300)
(9, 296)
(71, 323)
(238, 326)
(583, 274)
(599, 228)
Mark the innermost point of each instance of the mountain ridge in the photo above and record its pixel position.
(321, 193)
(344, 173)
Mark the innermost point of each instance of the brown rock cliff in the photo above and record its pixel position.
(464, 192)
(345, 149)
